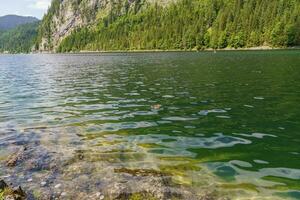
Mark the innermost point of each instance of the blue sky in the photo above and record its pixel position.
(35, 8)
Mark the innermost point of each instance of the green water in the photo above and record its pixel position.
(226, 121)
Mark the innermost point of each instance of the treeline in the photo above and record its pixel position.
(20, 39)
(194, 24)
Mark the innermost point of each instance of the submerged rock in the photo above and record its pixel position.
(148, 184)
(145, 183)
(156, 107)
(139, 172)
(17, 156)
(3, 185)
(47, 174)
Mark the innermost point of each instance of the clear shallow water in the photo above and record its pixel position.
(227, 122)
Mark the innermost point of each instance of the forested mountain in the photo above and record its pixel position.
(12, 21)
(20, 39)
(74, 25)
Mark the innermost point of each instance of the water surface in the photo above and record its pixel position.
(227, 122)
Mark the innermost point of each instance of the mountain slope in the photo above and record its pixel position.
(12, 21)
(63, 17)
(74, 25)
(19, 39)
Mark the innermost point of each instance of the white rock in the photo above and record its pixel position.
(98, 194)
(57, 186)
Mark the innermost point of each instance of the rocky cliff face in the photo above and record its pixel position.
(65, 16)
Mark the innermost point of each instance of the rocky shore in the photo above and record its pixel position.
(45, 173)
(132, 184)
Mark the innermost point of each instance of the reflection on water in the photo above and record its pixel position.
(164, 125)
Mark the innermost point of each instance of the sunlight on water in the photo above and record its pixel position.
(176, 125)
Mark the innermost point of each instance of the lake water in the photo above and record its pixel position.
(165, 125)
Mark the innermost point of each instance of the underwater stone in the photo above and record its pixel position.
(43, 183)
(13, 159)
(3, 185)
(57, 186)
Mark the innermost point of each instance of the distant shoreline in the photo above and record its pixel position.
(265, 48)
(259, 48)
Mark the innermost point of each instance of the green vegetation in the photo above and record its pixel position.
(189, 24)
(141, 196)
(44, 29)
(5, 192)
(19, 39)
(1, 195)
